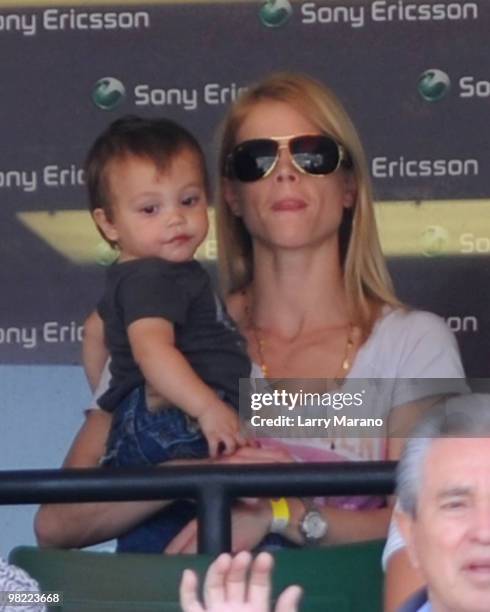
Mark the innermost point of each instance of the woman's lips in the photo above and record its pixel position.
(288, 204)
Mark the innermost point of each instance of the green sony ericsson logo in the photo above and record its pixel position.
(434, 240)
(275, 13)
(433, 85)
(105, 255)
(108, 93)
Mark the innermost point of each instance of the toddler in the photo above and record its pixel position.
(175, 355)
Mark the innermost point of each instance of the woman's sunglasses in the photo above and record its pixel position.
(314, 154)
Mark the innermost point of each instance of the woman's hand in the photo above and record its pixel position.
(226, 588)
(250, 522)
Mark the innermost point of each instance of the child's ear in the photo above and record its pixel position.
(105, 225)
(231, 197)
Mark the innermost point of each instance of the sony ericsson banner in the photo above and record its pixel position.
(421, 107)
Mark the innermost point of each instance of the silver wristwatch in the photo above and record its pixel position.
(313, 526)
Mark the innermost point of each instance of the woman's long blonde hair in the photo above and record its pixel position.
(367, 282)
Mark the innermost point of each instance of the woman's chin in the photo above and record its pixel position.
(296, 239)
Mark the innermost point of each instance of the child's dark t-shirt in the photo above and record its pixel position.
(182, 294)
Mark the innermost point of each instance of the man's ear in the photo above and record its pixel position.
(350, 193)
(105, 225)
(231, 197)
(406, 525)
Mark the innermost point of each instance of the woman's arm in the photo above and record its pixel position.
(354, 526)
(344, 526)
(251, 522)
(83, 524)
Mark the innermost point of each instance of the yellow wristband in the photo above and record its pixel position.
(280, 515)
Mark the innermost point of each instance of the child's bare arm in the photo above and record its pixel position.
(94, 350)
(169, 373)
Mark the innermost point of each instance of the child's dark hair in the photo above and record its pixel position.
(158, 140)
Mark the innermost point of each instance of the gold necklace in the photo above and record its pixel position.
(260, 349)
(260, 342)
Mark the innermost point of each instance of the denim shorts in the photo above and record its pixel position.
(139, 437)
(156, 532)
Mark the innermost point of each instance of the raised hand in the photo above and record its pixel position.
(227, 588)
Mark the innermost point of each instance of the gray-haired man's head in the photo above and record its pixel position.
(444, 494)
(458, 417)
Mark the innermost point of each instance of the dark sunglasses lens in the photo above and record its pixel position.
(251, 160)
(315, 154)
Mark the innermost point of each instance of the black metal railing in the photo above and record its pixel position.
(213, 487)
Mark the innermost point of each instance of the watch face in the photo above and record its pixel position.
(314, 526)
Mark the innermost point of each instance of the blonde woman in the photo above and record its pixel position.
(307, 284)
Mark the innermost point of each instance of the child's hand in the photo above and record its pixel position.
(221, 427)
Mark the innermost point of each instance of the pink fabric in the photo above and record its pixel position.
(302, 452)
